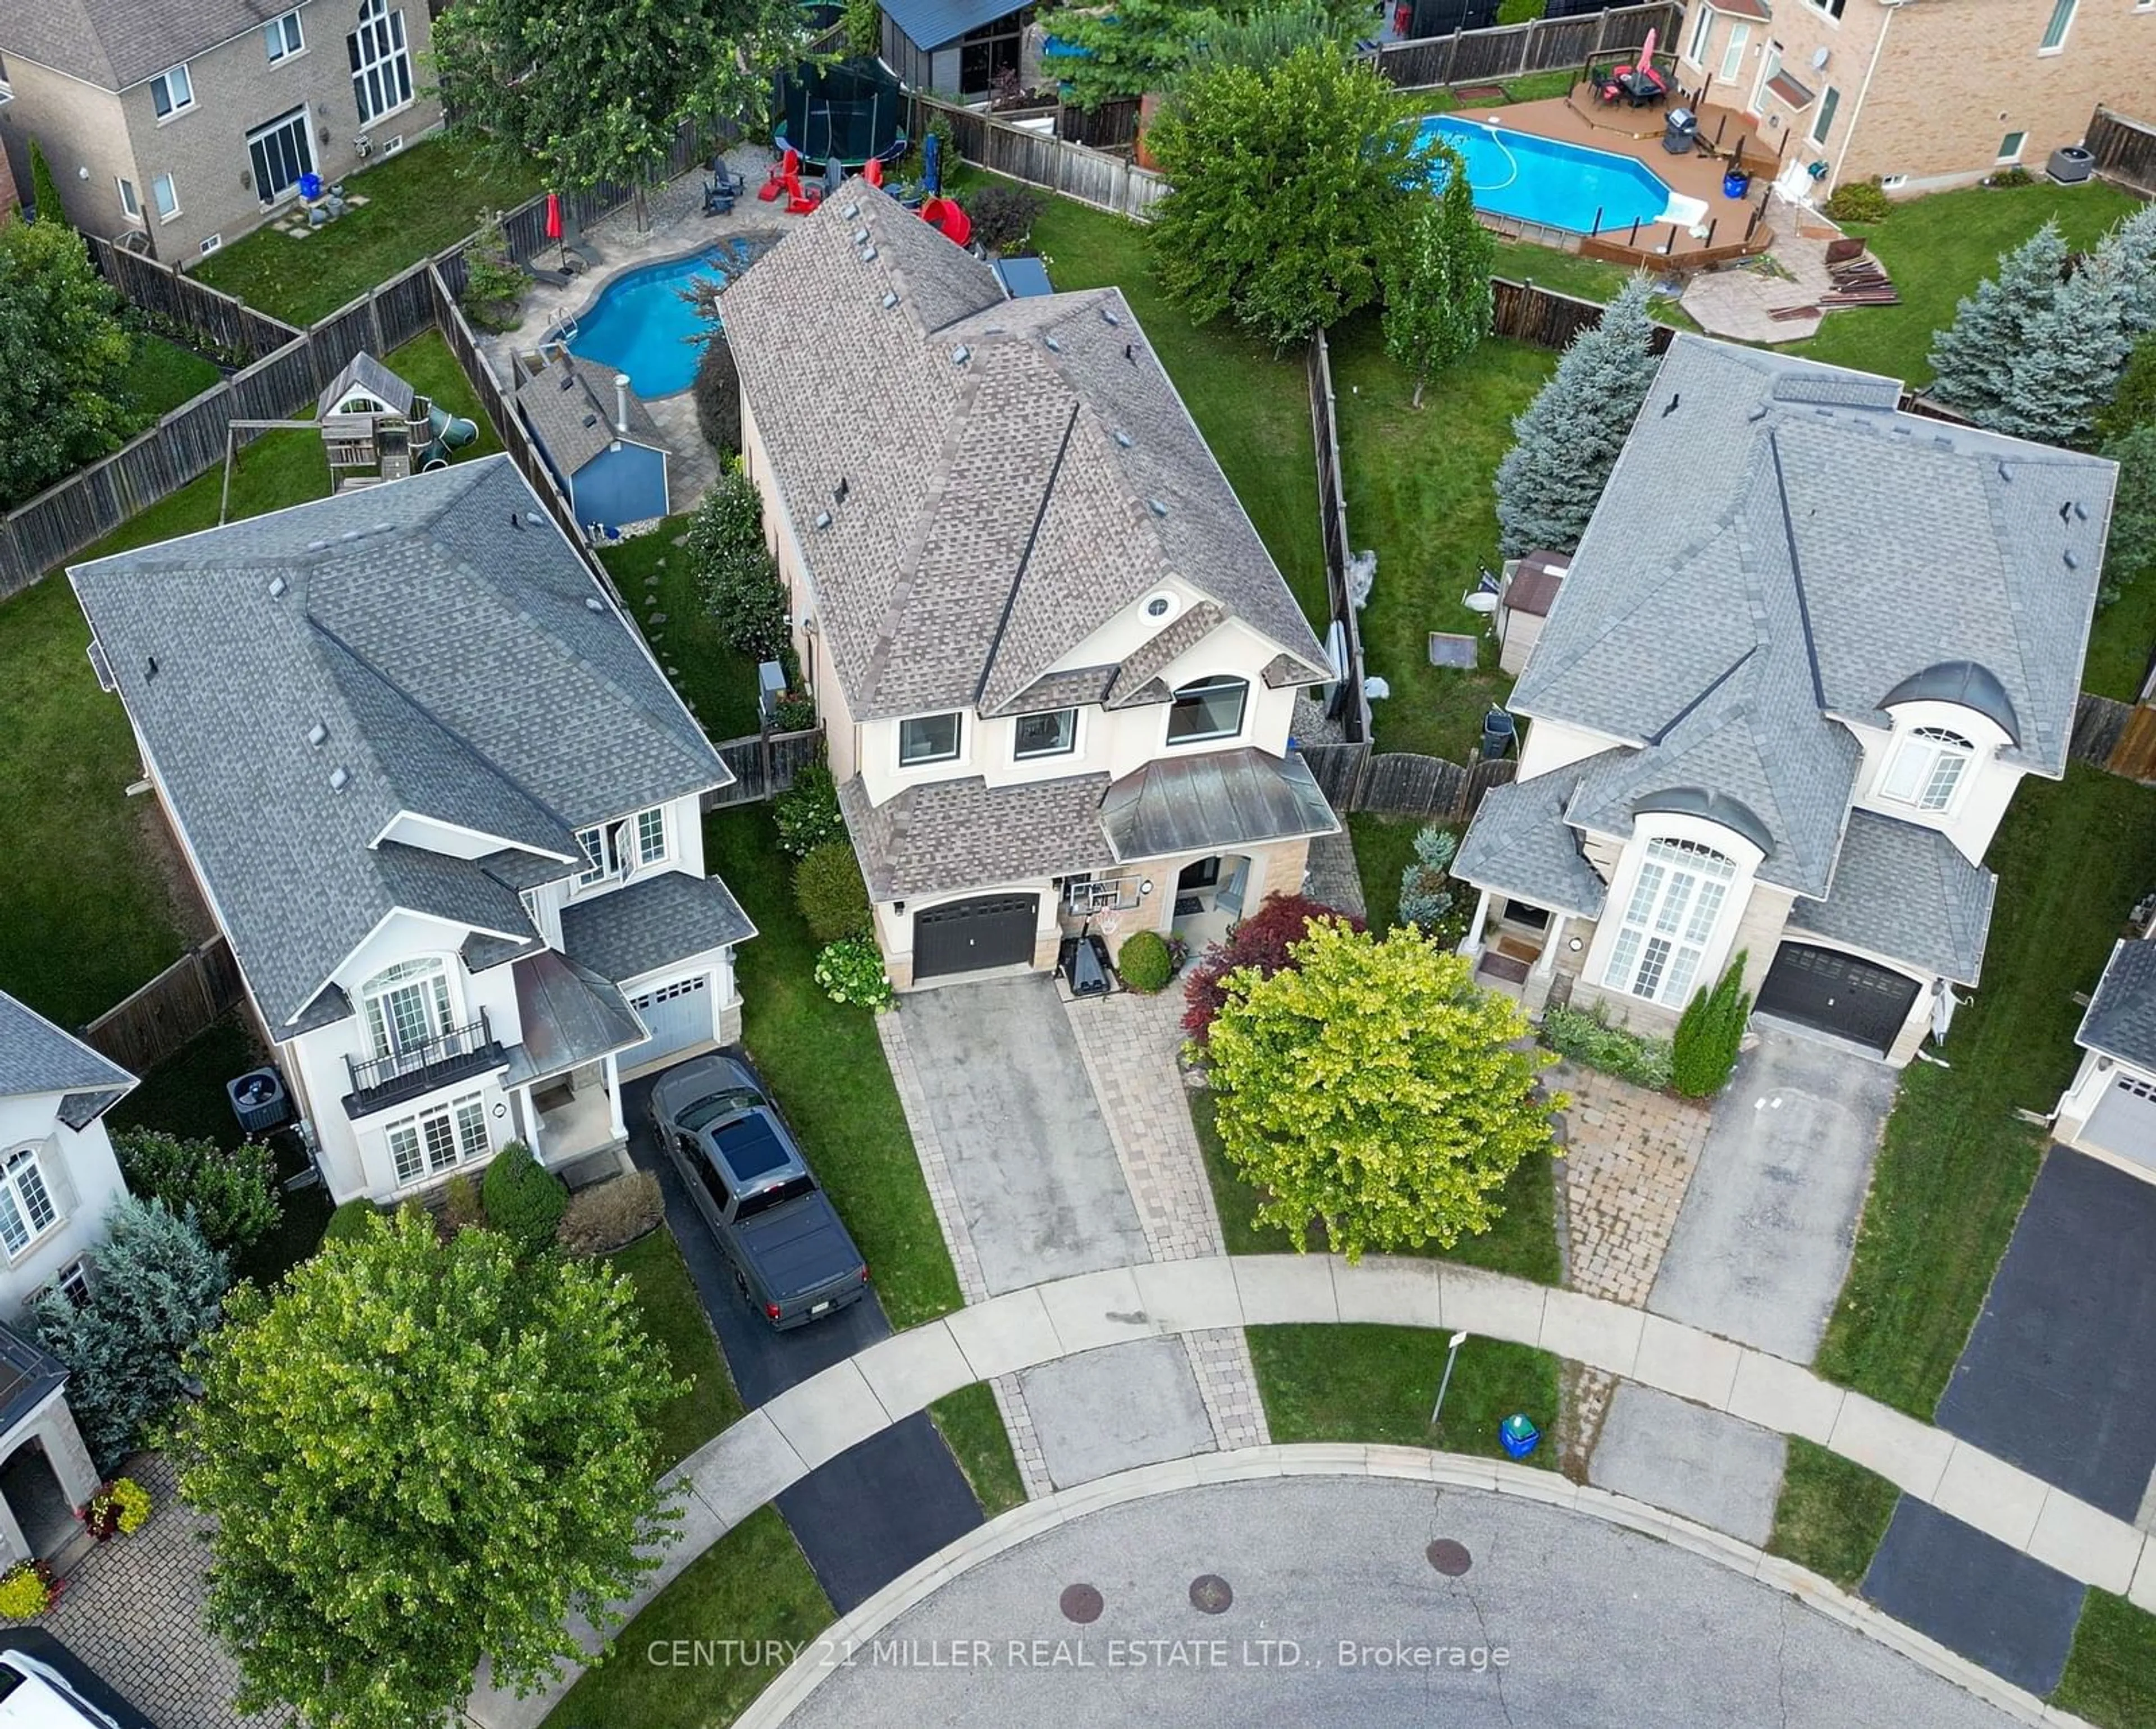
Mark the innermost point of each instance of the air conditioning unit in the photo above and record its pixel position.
(2071, 165)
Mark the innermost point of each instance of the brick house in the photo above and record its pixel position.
(190, 124)
(1925, 95)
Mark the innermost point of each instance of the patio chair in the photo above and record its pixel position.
(721, 189)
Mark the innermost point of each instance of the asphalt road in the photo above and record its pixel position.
(877, 1509)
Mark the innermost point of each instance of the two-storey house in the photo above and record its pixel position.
(1921, 95)
(445, 805)
(1057, 667)
(189, 125)
(1807, 648)
(57, 1179)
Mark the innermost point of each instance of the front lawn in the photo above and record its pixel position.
(163, 375)
(674, 1317)
(1956, 1164)
(973, 1430)
(718, 684)
(752, 1586)
(2111, 1673)
(1832, 1513)
(420, 202)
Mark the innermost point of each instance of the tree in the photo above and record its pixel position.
(717, 397)
(2132, 242)
(1972, 358)
(596, 89)
(1263, 941)
(2069, 366)
(1438, 298)
(417, 1454)
(1288, 182)
(1425, 903)
(1256, 39)
(864, 24)
(1568, 440)
(1123, 50)
(44, 190)
(2131, 550)
(64, 355)
(2134, 402)
(1710, 1033)
(1374, 1088)
(735, 571)
(231, 1192)
(159, 1288)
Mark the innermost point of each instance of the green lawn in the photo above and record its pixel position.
(673, 1316)
(1377, 1384)
(753, 1585)
(973, 1430)
(2119, 644)
(163, 375)
(2111, 1673)
(1832, 1513)
(717, 683)
(1384, 847)
(421, 201)
(1956, 1164)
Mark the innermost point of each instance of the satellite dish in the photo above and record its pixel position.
(1819, 57)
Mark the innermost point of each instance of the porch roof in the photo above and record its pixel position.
(1212, 803)
(28, 1376)
(1904, 892)
(1520, 843)
(570, 1015)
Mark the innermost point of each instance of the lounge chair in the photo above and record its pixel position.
(721, 189)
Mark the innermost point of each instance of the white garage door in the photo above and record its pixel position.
(2124, 1120)
(679, 1014)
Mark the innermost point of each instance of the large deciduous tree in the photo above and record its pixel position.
(1567, 441)
(63, 356)
(1123, 50)
(418, 1455)
(596, 88)
(1289, 182)
(1373, 1088)
(1438, 298)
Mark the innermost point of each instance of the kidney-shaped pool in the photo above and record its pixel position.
(641, 324)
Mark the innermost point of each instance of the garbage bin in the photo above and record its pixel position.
(1736, 184)
(311, 186)
(1499, 730)
(1679, 132)
(1518, 1435)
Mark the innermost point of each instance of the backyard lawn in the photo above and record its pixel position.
(421, 201)
(656, 579)
(163, 375)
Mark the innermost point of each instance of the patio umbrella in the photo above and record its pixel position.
(932, 151)
(554, 221)
(1647, 53)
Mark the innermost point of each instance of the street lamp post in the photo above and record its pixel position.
(1451, 1357)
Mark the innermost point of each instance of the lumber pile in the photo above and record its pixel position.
(1860, 282)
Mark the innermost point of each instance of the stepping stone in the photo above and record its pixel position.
(658, 618)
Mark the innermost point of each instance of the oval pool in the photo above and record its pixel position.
(1547, 180)
(640, 325)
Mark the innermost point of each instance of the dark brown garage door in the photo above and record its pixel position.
(966, 936)
(1837, 993)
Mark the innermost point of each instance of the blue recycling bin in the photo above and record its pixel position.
(311, 186)
(1736, 184)
(1519, 1435)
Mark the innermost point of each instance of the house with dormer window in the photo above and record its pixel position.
(1806, 651)
(1057, 667)
(446, 809)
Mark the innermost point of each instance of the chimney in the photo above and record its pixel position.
(621, 404)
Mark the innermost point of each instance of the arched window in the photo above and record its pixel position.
(1669, 920)
(407, 1005)
(1926, 769)
(381, 63)
(1210, 708)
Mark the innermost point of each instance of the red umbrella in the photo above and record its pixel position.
(553, 216)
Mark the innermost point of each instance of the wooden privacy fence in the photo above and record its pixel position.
(190, 995)
(1352, 709)
(764, 766)
(2125, 150)
(1355, 777)
(1040, 159)
(222, 323)
(1512, 50)
(2119, 738)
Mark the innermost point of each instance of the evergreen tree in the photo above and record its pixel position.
(1710, 1034)
(1257, 40)
(2132, 243)
(1568, 440)
(1438, 300)
(2069, 363)
(44, 190)
(2131, 550)
(1973, 359)
(1127, 48)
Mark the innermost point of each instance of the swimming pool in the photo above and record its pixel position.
(641, 325)
(1568, 186)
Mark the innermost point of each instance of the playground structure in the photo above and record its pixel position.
(850, 113)
(941, 212)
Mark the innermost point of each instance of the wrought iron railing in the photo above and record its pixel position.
(452, 1053)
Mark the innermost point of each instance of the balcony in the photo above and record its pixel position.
(456, 1054)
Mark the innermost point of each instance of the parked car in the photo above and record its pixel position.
(790, 1253)
(45, 1685)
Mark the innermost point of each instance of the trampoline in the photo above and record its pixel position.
(849, 112)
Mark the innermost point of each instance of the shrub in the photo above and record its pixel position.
(735, 573)
(611, 1215)
(1261, 940)
(1425, 903)
(134, 1504)
(806, 813)
(1144, 963)
(525, 1202)
(493, 285)
(794, 712)
(348, 1223)
(44, 190)
(1002, 215)
(851, 970)
(2134, 404)
(2015, 176)
(828, 886)
(1858, 201)
(233, 1194)
(1590, 1039)
(1520, 11)
(1710, 1034)
(717, 394)
(26, 1591)
(461, 1210)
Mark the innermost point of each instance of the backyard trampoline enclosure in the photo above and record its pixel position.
(851, 110)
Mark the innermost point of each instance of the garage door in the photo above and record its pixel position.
(2124, 1120)
(1837, 993)
(679, 1014)
(966, 936)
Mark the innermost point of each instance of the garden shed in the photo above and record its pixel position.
(953, 45)
(599, 439)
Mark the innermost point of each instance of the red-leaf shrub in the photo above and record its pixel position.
(1261, 940)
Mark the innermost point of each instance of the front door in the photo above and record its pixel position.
(1770, 63)
(282, 151)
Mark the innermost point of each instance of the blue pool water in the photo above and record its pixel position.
(1545, 180)
(641, 325)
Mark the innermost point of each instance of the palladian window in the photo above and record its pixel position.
(1669, 920)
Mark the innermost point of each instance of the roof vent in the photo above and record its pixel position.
(1759, 413)
(850, 212)
(823, 519)
(1122, 438)
(591, 419)
(317, 546)
(318, 735)
(860, 234)
(2006, 474)
(567, 381)
(2080, 511)
(277, 586)
(890, 298)
(2072, 562)
(961, 354)
(1109, 315)
(1131, 352)
(351, 534)
(2065, 511)
(867, 254)
(1670, 407)
(839, 492)
(340, 778)
(1156, 507)
(150, 669)
(594, 603)
(515, 520)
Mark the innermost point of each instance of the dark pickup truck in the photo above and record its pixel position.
(790, 1253)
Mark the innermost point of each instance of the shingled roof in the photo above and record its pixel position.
(114, 44)
(460, 663)
(571, 409)
(37, 1057)
(995, 479)
(2120, 1020)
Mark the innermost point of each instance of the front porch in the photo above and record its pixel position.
(1529, 953)
(573, 1122)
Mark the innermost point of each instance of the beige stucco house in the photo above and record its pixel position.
(1923, 93)
(1057, 667)
(1804, 654)
(2109, 1111)
(189, 124)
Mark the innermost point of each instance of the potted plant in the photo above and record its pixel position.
(27, 1590)
(121, 1505)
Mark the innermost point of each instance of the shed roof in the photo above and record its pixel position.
(571, 409)
(365, 372)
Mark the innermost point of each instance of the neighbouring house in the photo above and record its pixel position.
(1921, 97)
(445, 807)
(2110, 1110)
(1804, 653)
(189, 124)
(599, 439)
(954, 48)
(1057, 667)
(57, 1179)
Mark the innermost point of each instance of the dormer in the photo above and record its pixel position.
(1947, 721)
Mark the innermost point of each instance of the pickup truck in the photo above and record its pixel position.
(791, 1258)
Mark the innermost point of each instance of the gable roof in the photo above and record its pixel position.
(930, 24)
(114, 44)
(37, 1057)
(365, 372)
(2120, 1020)
(463, 666)
(1905, 893)
(571, 411)
(1002, 477)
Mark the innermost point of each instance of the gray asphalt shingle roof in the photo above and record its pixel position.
(571, 409)
(652, 923)
(114, 44)
(1520, 844)
(365, 372)
(963, 834)
(37, 1057)
(463, 666)
(2120, 1020)
(1906, 893)
(1016, 473)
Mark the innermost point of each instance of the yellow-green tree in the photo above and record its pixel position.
(1374, 1088)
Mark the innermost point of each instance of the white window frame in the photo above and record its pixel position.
(2060, 27)
(1678, 900)
(176, 104)
(387, 70)
(28, 1213)
(301, 119)
(72, 1282)
(1832, 9)
(7, 89)
(457, 1128)
(428, 978)
(1823, 115)
(956, 717)
(1021, 754)
(1928, 769)
(1770, 66)
(171, 191)
(1212, 680)
(651, 837)
(131, 201)
(1732, 51)
(1702, 38)
(283, 37)
(2018, 140)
